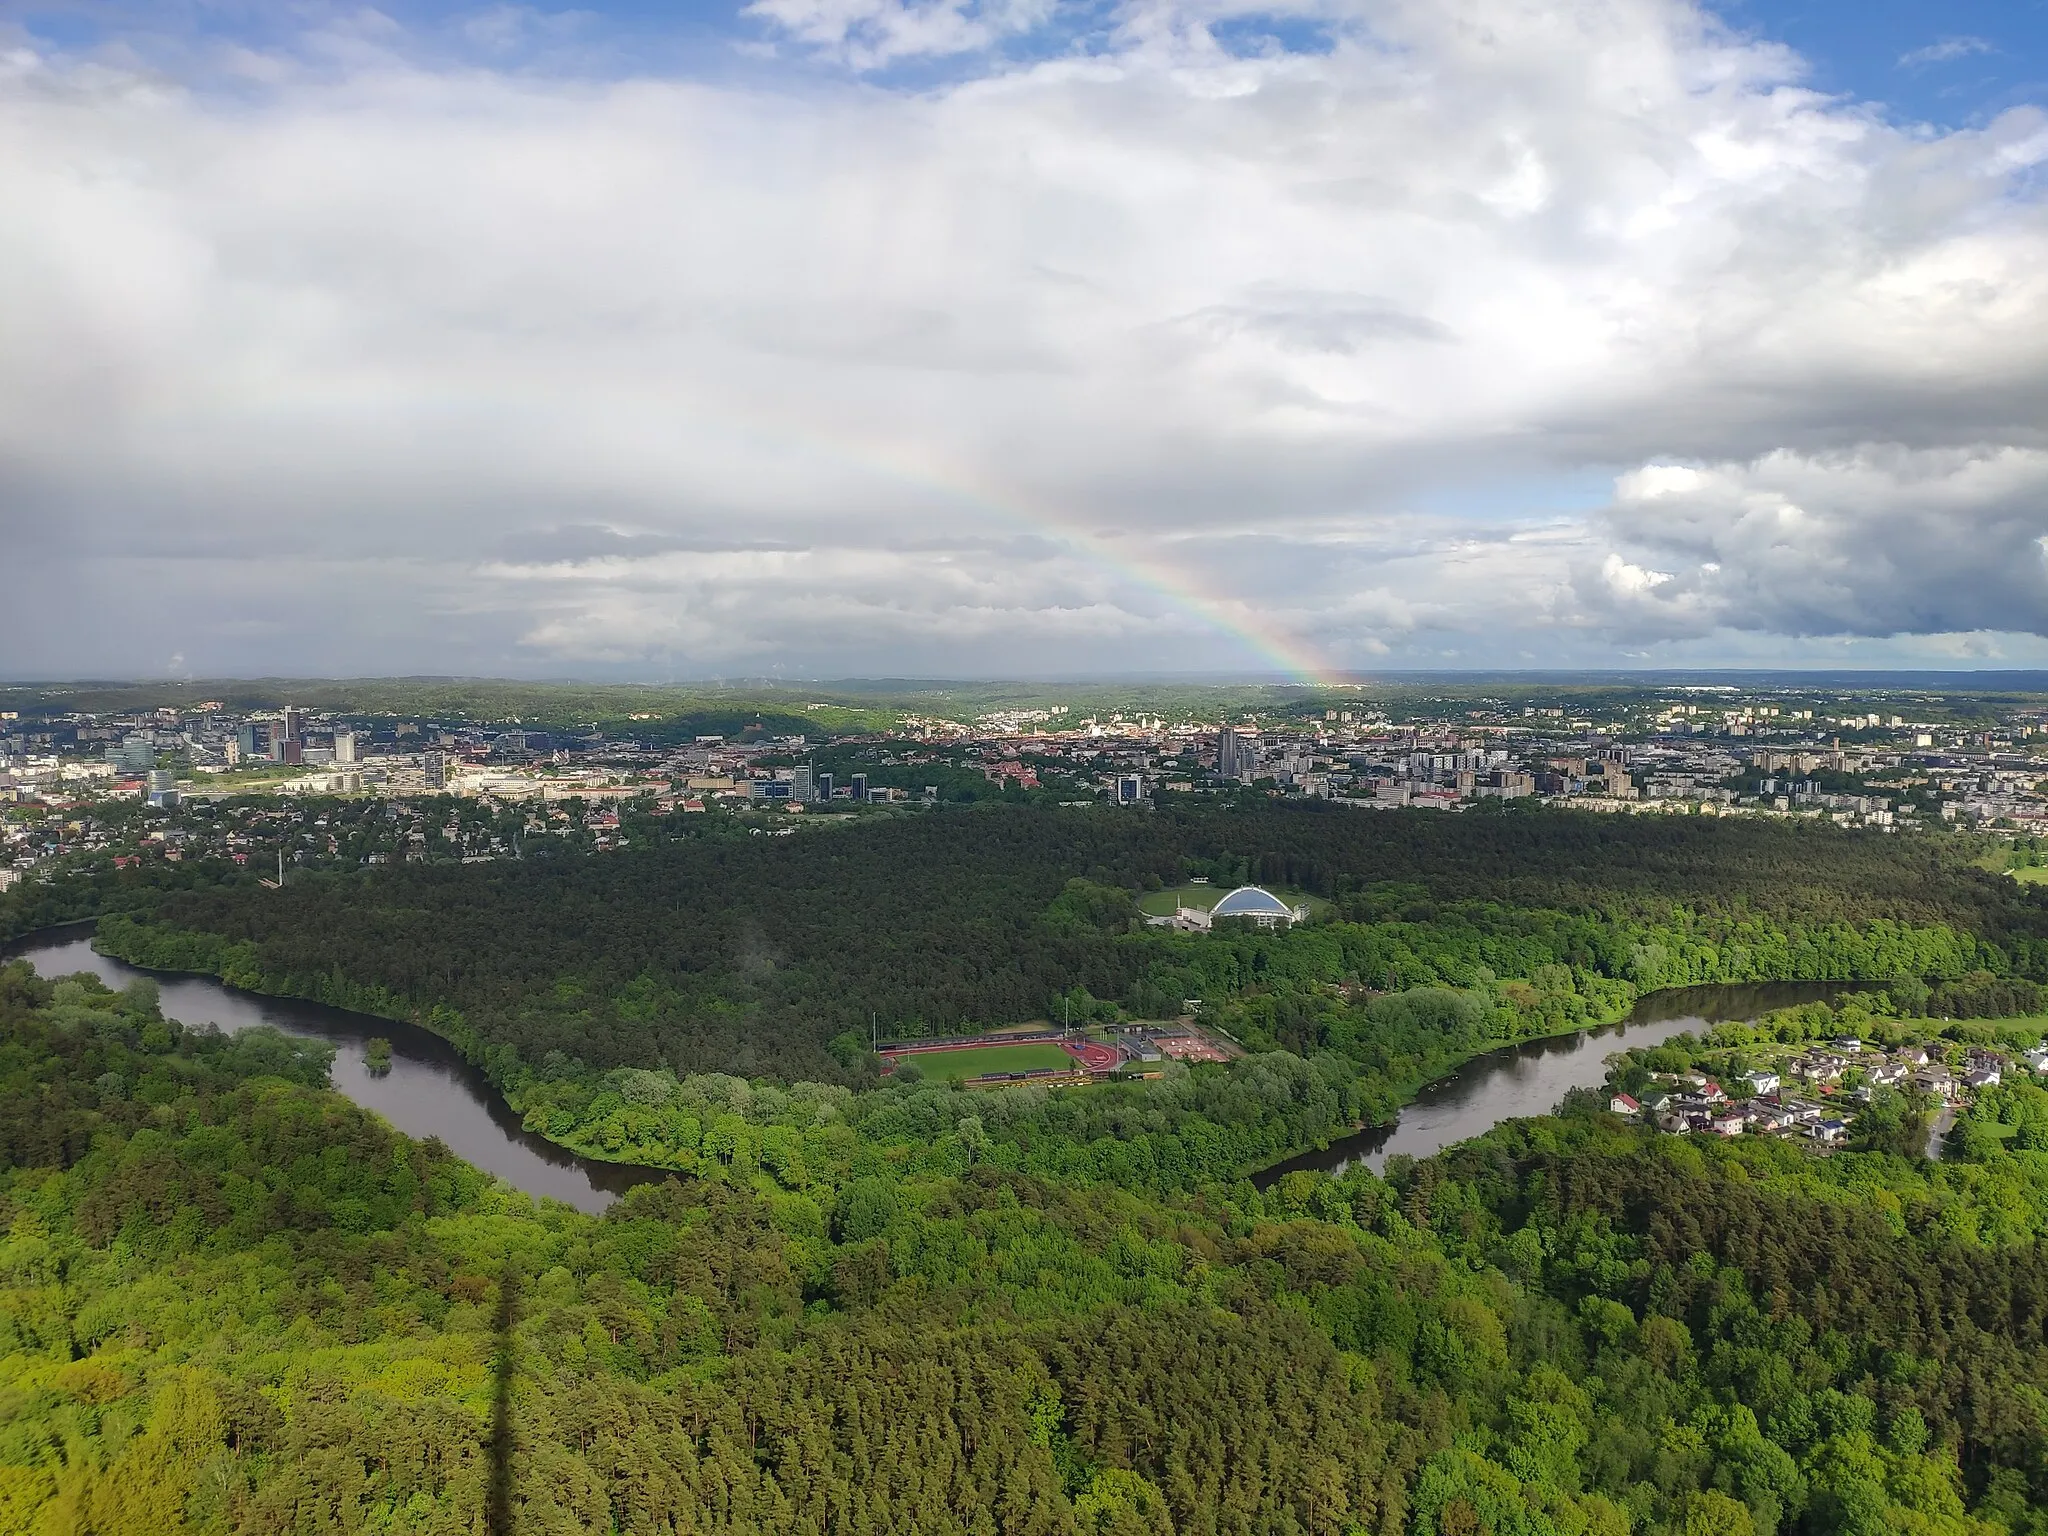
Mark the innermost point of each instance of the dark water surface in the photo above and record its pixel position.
(429, 1091)
(1531, 1078)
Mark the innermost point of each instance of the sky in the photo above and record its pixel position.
(828, 338)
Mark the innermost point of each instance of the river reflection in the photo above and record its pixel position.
(429, 1091)
(1530, 1079)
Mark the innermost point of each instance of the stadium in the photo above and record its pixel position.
(1248, 903)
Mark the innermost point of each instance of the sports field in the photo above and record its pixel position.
(980, 1060)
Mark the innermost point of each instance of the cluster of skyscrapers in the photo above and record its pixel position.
(283, 740)
(806, 786)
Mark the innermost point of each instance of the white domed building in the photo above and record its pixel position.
(1250, 902)
(1258, 904)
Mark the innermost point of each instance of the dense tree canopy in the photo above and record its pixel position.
(230, 1301)
(751, 954)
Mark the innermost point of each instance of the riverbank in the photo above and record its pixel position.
(1371, 1140)
(77, 927)
(1530, 1077)
(182, 952)
(429, 1091)
(235, 966)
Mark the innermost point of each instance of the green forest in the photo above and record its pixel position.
(232, 1302)
(597, 992)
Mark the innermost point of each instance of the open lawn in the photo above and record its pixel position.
(979, 1060)
(2033, 874)
(1165, 903)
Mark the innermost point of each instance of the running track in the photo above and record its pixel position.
(1096, 1058)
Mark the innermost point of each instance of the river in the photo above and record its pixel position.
(431, 1091)
(1531, 1078)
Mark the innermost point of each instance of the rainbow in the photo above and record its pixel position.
(1225, 615)
(1228, 616)
(1221, 613)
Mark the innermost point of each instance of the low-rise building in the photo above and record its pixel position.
(1936, 1081)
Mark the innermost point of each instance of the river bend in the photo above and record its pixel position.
(431, 1091)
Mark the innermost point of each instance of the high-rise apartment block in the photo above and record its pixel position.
(287, 735)
(1237, 755)
(135, 754)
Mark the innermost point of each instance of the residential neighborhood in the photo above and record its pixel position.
(1813, 1091)
(136, 783)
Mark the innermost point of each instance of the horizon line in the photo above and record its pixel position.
(1209, 678)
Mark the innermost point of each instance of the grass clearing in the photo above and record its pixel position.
(2032, 874)
(980, 1060)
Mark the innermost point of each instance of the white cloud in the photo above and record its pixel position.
(1875, 540)
(1085, 361)
(1945, 51)
(1654, 481)
(869, 34)
(1634, 580)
